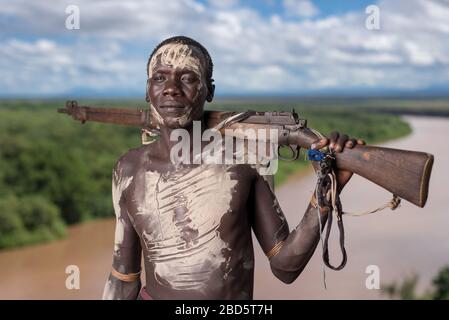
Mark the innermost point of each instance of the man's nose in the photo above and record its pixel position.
(172, 88)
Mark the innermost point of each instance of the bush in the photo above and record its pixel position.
(406, 289)
(48, 154)
(27, 220)
(441, 284)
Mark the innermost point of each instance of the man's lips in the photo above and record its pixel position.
(172, 104)
(172, 107)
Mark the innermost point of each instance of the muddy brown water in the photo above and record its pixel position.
(398, 242)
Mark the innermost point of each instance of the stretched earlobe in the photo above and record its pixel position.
(147, 94)
(210, 94)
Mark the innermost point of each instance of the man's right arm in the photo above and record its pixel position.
(124, 280)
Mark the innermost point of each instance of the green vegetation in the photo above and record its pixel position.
(406, 289)
(55, 171)
(28, 219)
(438, 106)
(64, 166)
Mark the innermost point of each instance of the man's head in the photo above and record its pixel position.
(179, 81)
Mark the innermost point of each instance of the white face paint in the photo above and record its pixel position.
(185, 118)
(157, 116)
(178, 56)
(180, 217)
(182, 121)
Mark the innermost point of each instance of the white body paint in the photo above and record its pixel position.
(206, 193)
(119, 184)
(108, 291)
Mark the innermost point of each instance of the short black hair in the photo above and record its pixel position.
(191, 42)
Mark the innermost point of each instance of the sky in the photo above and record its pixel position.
(265, 47)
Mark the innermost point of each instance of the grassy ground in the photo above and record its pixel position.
(55, 171)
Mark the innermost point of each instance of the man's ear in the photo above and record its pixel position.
(147, 94)
(211, 91)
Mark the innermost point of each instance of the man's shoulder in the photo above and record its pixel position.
(244, 171)
(130, 160)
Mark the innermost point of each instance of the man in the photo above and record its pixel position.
(192, 223)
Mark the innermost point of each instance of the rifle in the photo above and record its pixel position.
(404, 173)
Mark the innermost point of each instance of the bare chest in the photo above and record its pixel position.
(178, 217)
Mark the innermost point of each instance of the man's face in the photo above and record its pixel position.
(177, 85)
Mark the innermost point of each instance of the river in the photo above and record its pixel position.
(398, 242)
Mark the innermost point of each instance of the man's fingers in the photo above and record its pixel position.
(350, 143)
(319, 144)
(342, 139)
(333, 139)
(337, 142)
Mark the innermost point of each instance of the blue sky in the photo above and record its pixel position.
(325, 7)
(265, 47)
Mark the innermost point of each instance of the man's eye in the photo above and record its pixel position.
(158, 77)
(189, 78)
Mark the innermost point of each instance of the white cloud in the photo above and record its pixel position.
(44, 67)
(252, 52)
(300, 8)
(223, 3)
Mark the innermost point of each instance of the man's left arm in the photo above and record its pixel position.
(289, 252)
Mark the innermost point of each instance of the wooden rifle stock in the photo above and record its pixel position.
(404, 173)
(130, 117)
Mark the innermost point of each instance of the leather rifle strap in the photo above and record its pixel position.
(342, 238)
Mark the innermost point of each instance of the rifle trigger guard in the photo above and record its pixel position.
(294, 149)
